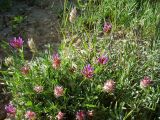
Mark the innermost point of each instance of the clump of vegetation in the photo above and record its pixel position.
(107, 66)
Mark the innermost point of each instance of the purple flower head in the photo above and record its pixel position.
(80, 115)
(16, 42)
(10, 109)
(103, 59)
(107, 27)
(88, 71)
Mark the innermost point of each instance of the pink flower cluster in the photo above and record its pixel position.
(58, 91)
(107, 27)
(30, 115)
(80, 115)
(103, 59)
(38, 89)
(109, 86)
(11, 110)
(60, 116)
(16, 42)
(146, 82)
(56, 61)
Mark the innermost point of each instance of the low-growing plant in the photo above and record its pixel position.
(76, 82)
(93, 75)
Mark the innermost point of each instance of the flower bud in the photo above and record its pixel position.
(90, 113)
(38, 89)
(25, 70)
(32, 45)
(73, 15)
(9, 61)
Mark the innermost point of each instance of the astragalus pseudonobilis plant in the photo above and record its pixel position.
(92, 76)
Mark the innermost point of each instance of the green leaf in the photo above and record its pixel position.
(29, 103)
(90, 105)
